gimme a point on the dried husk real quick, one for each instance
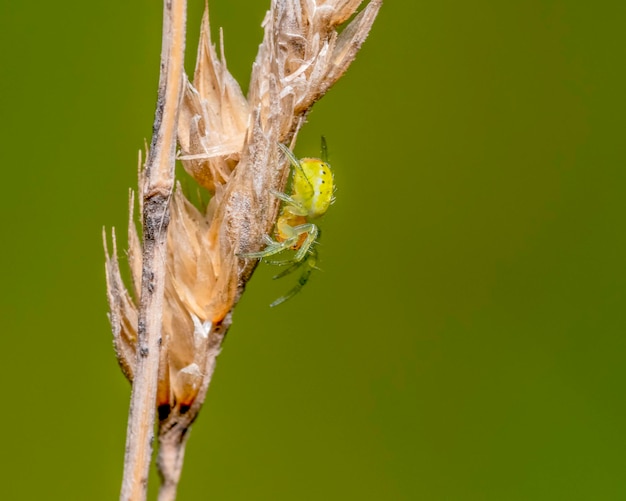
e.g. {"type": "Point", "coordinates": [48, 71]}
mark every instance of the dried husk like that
{"type": "Point", "coordinates": [228, 144]}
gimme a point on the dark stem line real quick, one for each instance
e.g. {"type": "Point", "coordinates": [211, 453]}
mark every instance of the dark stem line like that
{"type": "Point", "coordinates": [156, 190]}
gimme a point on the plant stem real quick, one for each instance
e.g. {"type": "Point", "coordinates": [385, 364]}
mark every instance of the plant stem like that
{"type": "Point", "coordinates": [175, 428]}
{"type": "Point", "coordinates": [156, 191]}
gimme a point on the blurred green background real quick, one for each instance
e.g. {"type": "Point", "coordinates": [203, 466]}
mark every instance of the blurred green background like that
{"type": "Point", "coordinates": [465, 340]}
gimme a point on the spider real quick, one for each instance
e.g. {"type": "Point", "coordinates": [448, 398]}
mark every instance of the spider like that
{"type": "Point", "coordinates": [311, 194]}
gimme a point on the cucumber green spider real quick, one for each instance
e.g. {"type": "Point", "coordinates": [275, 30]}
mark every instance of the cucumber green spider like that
{"type": "Point", "coordinates": [312, 190]}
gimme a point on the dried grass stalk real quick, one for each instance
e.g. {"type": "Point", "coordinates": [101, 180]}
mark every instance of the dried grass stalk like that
{"type": "Point", "coordinates": [228, 144]}
{"type": "Point", "coordinates": [138, 331]}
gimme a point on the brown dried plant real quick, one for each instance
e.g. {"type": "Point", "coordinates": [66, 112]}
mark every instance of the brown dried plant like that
{"type": "Point", "coordinates": [186, 269]}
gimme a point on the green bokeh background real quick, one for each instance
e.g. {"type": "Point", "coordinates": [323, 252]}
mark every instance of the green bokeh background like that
{"type": "Point", "coordinates": [465, 340]}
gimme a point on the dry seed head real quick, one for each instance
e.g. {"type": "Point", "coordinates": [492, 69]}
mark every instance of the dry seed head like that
{"type": "Point", "coordinates": [123, 312]}
{"type": "Point", "coordinates": [190, 304]}
{"type": "Point", "coordinates": [229, 145]}
{"type": "Point", "coordinates": [213, 116]}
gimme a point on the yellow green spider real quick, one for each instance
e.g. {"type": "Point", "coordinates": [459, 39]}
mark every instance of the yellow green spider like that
{"type": "Point", "coordinates": [312, 190]}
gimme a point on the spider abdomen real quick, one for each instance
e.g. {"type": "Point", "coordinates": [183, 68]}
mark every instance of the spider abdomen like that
{"type": "Point", "coordinates": [313, 186]}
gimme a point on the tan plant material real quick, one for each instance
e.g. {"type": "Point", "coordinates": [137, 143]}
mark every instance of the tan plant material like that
{"type": "Point", "coordinates": [229, 145]}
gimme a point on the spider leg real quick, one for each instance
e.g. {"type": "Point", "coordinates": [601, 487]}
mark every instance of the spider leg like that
{"type": "Point", "coordinates": [272, 248]}
{"type": "Point", "coordinates": [294, 161]}
{"type": "Point", "coordinates": [292, 205]}
{"type": "Point", "coordinates": [294, 234]}
{"type": "Point", "coordinates": [312, 232]}
{"type": "Point", "coordinates": [280, 262]}
{"type": "Point", "coordinates": [292, 261]}
{"type": "Point", "coordinates": [324, 150]}
{"type": "Point", "coordinates": [293, 267]}
{"type": "Point", "coordinates": [309, 266]}
{"type": "Point", "coordinates": [289, 154]}
{"type": "Point", "coordinates": [284, 197]}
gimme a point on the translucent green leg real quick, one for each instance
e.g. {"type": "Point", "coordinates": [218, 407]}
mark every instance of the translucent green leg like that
{"type": "Point", "coordinates": [276, 247]}
{"type": "Point", "coordinates": [292, 158]}
{"type": "Point", "coordinates": [312, 232]}
{"type": "Point", "coordinates": [324, 149]}
{"type": "Point", "coordinates": [293, 206]}
{"type": "Point", "coordinates": [271, 249]}
{"type": "Point", "coordinates": [308, 266]}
